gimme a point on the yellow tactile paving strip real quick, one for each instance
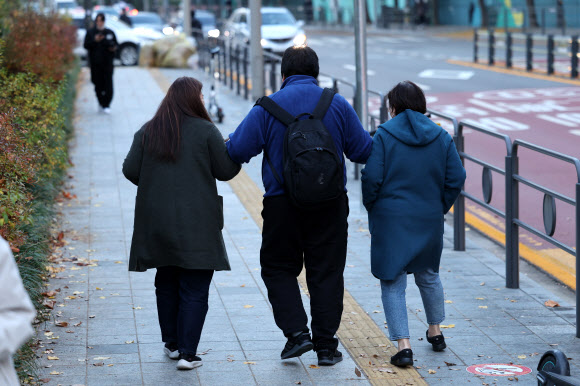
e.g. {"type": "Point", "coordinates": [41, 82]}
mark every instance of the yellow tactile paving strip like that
{"type": "Point", "coordinates": [365, 341]}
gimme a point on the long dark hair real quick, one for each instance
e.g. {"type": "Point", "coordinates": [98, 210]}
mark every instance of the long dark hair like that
{"type": "Point", "coordinates": [163, 131]}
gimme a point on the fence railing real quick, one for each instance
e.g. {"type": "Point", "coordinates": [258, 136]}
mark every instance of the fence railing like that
{"type": "Point", "coordinates": [530, 50]}
{"type": "Point", "coordinates": [232, 68]}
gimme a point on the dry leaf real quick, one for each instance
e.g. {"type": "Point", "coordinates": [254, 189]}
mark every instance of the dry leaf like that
{"type": "Point", "coordinates": [551, 303]}
{"type": "Point", "coordinates": [91, 316]}
{"type": "Point", "coordinates": [385, 370]}
{"type": "Point", "coordinates": [248, 306]}
{"type": "Point", "coordinates": [479, 298]}
{"type": "Point", "coordinates": [376, 312]}
{"type": "Point", "coordinates": [249, 363]}
{"type": "Point", "coordinates": [49, 333]}
{"type": "Point", "coordinates": [450, 364]}
{"type": "Point", "coordinates": [102, 297]}
{"type": "Point", "coordinates": [61, 324]}
{"type": "Point", "coordinates": [98, 364]}
{"type": "Point", "coordinates": [522, 356]}
{"type": "Point", "coordinates": [137, 308]}
{"type": "Point", "coordinates": [98, 288]}
{"type": "Point", "coordinates": [118, 262]}
{"type": "Point", "coordinates": [357, 372]}
{"type": "Point", "coordinates": [298, 383]}
{"type": "Point", "coordinates": [77, 324]}
{"type": "Point", "coordinates": [448, 301]}
{"type": "Point", "coordinates": [55, 358]}
{"type": "Point", "coordinates": [129, 341]}
{"type": "Point", "coordinates": [431, 371]}
{"type": "Point", "coordinates": [54, 373]}
{"type": "Point", "coordinates": [110, 365]}
{"type": "Point", "coordinates": [314, 367]}
{"type": "Point", "coordinates": [447, 326]}
{"type": "Point", "coordinates": [483, 307]}
{"type": "Point", "coordinates": [482, 283]}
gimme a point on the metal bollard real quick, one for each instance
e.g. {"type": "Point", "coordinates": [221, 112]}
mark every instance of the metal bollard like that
{"type": "Point", "coordinates": [512, 242]}
{"type": "Point", "coordinates": [574, 53]}
{"type": "Point", "coordinates": [459, 206]}
{"type": "Point", "coordinates": [529, 52]}
{"type": "Point", "coordinates": [383, 111]}
{"type": "Point", "coordinates": [245, 65]}
{"type": "Point", "coordinates": [475, 45]}
{"type": "Point", "coordinates": [550, 54]}
{"type": "Point", "coordinates": [231, 62]}
{"type": "Point", "coordinates": [508, 50]}
{"type": "Point", "coordinates": [238, 70]}
{"type": "Point", "coordinates": [577, 259]}
{"type": "Point", "coordinates": [491, 56]}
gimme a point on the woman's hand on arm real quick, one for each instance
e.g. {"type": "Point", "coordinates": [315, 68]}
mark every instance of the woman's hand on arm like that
{"type": "Point", "coordinates": [222, 166]}
{"type": "Point", "coordinates": [372, 175]}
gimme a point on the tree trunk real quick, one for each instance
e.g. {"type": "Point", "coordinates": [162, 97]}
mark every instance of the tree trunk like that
{"type": "Point", "coordinates": [532, 17]}
{"type": "Point", "coordinates": [484, 18]}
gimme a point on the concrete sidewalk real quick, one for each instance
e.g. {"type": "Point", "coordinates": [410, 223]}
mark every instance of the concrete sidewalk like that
{"type": "Point", "coordinates": [112, 336]}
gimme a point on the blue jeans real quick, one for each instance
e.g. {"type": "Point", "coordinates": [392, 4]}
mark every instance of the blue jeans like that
{"type": "Point", "coordinates": [182, 303]}
{"type": "Point", "coordinates": [395, 305]}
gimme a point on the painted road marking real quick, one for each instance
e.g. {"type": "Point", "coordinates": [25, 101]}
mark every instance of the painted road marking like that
{"type": "Point", "coordinates": [499, 370]}
{"type": "Point", "coordinates": [447, 74]}
{"type": "Point", "coordinates": [424, 87]}
{"type": "Point", "coordinates": [352, 67]}
{"type": "Point", "coordinates": [575, 132]}
{"type": "Point", "coordinates": [558, 120]}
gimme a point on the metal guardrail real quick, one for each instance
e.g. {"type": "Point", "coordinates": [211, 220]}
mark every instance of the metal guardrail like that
{"type": "Point", "coordinates": [234, 59]}
{"type": "Point", "coordinates": [552, 48]}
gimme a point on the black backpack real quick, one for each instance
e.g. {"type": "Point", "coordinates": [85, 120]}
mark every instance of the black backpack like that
{"type": "Point", "coordinates": [313, 172]}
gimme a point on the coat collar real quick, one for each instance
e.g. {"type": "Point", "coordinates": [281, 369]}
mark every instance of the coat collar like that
{"type": "Point", "coordinates": [299, 79]}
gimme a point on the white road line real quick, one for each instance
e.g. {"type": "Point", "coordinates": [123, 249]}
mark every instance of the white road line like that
{"type": "Point", "coordinates": [351, 67]}
{"type": "Point", "coordinates": [575, 132]}
{"type": "Point", "coordinates": [487, 106]}
{"type": "Point", "coordinates": [559, 121]}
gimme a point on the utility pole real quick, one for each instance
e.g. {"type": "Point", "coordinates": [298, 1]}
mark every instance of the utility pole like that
{"type": "Point", "coordinates": [360, 44]}
{"type": "Point", "coordinates": [187, 18]}
{"type": "Point", "coordinates": [256, 52]}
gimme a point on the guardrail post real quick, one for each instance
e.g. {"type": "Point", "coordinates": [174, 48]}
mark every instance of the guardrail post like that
{"type": "Point", "coordinates": [550, 54]}
{"type": "Point", "coordinates": [238, 70]}
{"type": "Point", "coordinates": [459, 205]}
{"type": "Point", "coordinates": [245, 65]}
{"type": "Point", "coordinates": [491, 44]}
{"type": "Point", "coordinates": [475, 45]}
{"type": "Point", "coordinates": [508, 50]}
{"type": "Point", "coordinates": [529, 52]}
{"type": "Point", "coordinates": [383, 111]}
{"type": "Point", "coordinates": [231, 62]}
{"type": "Point", "coordinates": [512, 242]}
{"type": "Point", "coordinates": [577, 260]}
{"type": "Point", "coordinates": [335, 85]}
{"type": "Point", "coordinates": [574, 64]}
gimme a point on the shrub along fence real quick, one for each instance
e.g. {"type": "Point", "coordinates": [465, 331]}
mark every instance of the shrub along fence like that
{"type": "Point", "coordinates": [37, 80]}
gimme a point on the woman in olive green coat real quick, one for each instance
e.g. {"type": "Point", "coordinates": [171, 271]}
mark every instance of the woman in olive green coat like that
{"type": "Point", "coordinates": [175, 160]}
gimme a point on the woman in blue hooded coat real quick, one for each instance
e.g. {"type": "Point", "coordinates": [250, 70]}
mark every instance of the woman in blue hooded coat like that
{"type": "Point", "coordinates": [411, 179]}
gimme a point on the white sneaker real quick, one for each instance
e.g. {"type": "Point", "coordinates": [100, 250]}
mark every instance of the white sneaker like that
{"type": "Point", "coordinates": [107, 110]}
{"type": "Point", "coordinates": [189, 363]}
{"type": "Point", "coordinates": [171, 354]}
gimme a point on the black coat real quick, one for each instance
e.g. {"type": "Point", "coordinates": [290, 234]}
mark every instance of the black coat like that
{"type": "Point", "coordinates": [101, 53]}
{"type": "Point", "coordinates": [178, 213]}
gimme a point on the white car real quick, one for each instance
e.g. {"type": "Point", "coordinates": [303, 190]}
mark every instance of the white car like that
{"type": "Point", "coordinates": [280, 29]}
{"type": "Point", "coordinates": [129, 39]}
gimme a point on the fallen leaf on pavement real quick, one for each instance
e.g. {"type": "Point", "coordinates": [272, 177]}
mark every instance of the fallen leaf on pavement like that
{"type": "Point", "coordinates": [102, 297]}
{"type": "Point", "coordinates": [357, 372]}
{"type": "Point", "coordinates": [314, 367]}
{"type": "Point", "coordinates": [430, 371]}
{"type": "Point", "coordinates": [448, 301]}
{"type": "Point", "coordinates": [205, 352]}
{"type": "Point", "coordinates": [77, 324]}
{"type": "Point", "coordinates": [118, 262]}
{"type": "Point", "coordinates": [98, 288]}
{"type": "Point", "coordinates": [385, 370]}
{"type": "Point", "coordinates": [551, 303]}
{"type": "Point", "coordinates": [479, 298]}
{"type": "Point", "coordinates": [447, 326]}
{"type": "Point", "coordinates": [137, 308]}
{"type": "Point", "coordinates": [129, 341]}
{"type": "Point", "coordinates": [49, 304]}
{"type": "Point", "coordinates": [376, 312]}
{"type": "Point", "coordinates": [61, 324]}
{"type": "Point", "coordinates": [98, 364]}
{"type": "Point", "coordinates": [482, 283]}
{"type": "Point", "coordinates": [101, 358]}
{"type": "Point", "coordinates": [91, 316]}
{"type": "Point", "coordinates": [52, 358]}
{"type": "Point", "coordinates": [54, 373]}
{"type": "Point", "coordinates": [49, 333]}
{"type": "Point", "coordinates": [522, 356]}
{"type": "Point", "coordinates": [249, 363]}
{"type": "Point", "coordinates": [248, 306]}
{"type": "Point", "coordinates": [483, 307]}
{"type": "Point", "coordinates": [449, 363]}
{"type": "Point", "coordinates": [298, 383]}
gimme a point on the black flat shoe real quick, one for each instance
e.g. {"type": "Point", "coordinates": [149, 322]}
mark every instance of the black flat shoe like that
{"type": "Point", "coordinates": [437, 341]}
{"type": "Point", "coordinates": [297, 345]}
{"type": "Point", "coordinates": [403, 358]}
{"type": "Point", "coordinates": [328, 357]}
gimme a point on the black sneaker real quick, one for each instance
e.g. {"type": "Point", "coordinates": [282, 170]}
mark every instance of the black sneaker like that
{"type": "Point", "coordinates": [403, 358]}
{"type": "Point", "coordinates": [438, 341]}
{"type": "Point", "coordinates": [188, 362]}
{"type": "Point", "coordinates": [327, 357]}
{"type": "Point", "coordinates": [297, 345]}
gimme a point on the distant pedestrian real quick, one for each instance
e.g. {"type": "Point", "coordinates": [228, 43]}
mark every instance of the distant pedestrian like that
{"type": "Point", "coordinates": [16, 315]}
{"type": "Point", "coordinates": [175, 160]}
{"type": "Point", "coordinates": [196, 28]}
{"type": "Point", "coordinates": [295, 235]}
{"type": "Point", "coordinates": [101, 44]}
{"type": "Point", "coordinates": [412, 178]}
{"type": "Point", "coordinates": [470, 12]}
{"type": "Point", "coordinates": [125, 18]}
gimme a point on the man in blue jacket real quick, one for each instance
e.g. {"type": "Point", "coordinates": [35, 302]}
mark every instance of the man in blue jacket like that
{"type": "Point", "coordinates": [293, 237]}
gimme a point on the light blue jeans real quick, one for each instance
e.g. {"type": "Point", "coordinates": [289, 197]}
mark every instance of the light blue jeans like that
{"type": "Point", "coordinates": [395, 305]}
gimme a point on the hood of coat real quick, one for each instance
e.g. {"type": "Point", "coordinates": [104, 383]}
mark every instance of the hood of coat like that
{"type": "Point", "coordinates": [412, 128]}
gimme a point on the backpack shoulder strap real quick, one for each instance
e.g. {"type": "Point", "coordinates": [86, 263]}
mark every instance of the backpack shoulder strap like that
{"type": "Point", "coordinates": [277, 112]}
{"type": "Point", "coordinates": [323, 103]}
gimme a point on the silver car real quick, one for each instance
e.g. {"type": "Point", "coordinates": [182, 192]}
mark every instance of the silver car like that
{"type": "Point", "coordinates": [280, 29]}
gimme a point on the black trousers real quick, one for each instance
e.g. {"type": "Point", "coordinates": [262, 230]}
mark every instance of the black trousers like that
{"type": "Point", "coordinates": [102, 78]}
{"type": "Point", "coordinates": [182, 304]}
{"type": "Point", "coordinates": [316, 239]}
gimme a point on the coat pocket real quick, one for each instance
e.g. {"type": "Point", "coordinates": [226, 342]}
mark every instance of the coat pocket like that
{"type": "Point", "coordinates": [220, 210]}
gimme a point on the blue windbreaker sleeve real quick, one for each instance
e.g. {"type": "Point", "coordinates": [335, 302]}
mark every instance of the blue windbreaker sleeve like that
{"type": "Point", "coordinates": [357, 141]}
{"type": "Point", "coordinates": [454, 177]}
{"type": "Point", "coordinates": [372, 175]}
{"type": "Point", "coordinates": [248, 139]}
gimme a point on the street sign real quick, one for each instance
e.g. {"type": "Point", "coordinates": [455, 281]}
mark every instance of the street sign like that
{"type": "Point", "coordinates": [499, 370]}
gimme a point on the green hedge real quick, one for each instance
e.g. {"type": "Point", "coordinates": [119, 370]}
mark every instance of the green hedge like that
{"type": "Point", "coordinates": [36, 106]}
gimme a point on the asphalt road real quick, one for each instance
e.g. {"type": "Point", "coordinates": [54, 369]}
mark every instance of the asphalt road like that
{"type": "Point", "coordinates": [542, 112]}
